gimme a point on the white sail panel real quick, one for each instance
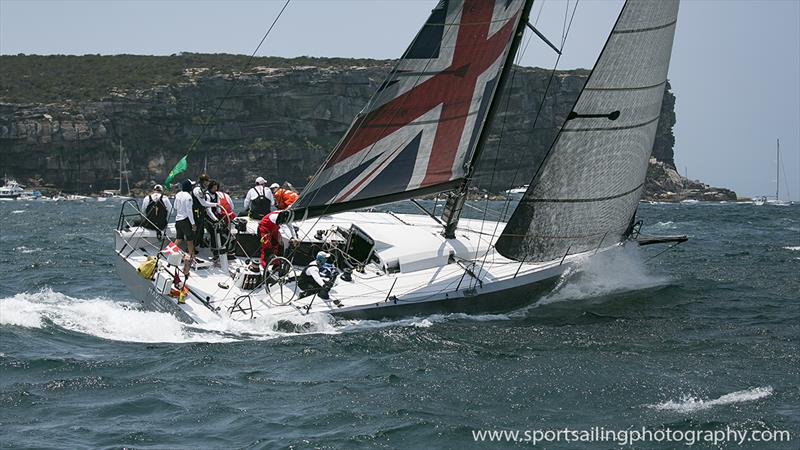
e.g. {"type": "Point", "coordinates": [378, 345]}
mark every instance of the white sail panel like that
{"type": "Point", "coordinates": [586, 192]}
{"type": "Point", "coordinates": [419, 131]}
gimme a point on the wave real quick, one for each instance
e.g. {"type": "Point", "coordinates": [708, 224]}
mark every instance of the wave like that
{"type": "Point", "coordinates": [797, 248]}
{"type": "Point", "coordinates": [689, 404]}
{"type": "Point", "coordinates": [121, 321]}
{"type": "Point", "coordinates": [610, 272]}
{"type": "Point", "coordinates": [18, 211]}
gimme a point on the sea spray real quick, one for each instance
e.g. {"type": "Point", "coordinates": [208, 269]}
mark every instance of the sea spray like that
{"type": "Point", "coordinates": [689, 404]}
{"type": "Point", "coordinates": [610, 272]}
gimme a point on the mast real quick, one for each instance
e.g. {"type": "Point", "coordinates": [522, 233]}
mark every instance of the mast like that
{"type": "Point", "coordinates": [120, 167]}
{"type": "Point", "coordinates": [456, 199]}
{"type": "Point", "coordinates": [778, 171]}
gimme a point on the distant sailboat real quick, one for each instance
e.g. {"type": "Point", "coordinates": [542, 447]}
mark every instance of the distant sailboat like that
{"type": "Point", "coordinates": [759, 201]}
{"type": "Point", "coordinates": [421, 134]}
{"type": "Point", "coordinates": [123, 175]}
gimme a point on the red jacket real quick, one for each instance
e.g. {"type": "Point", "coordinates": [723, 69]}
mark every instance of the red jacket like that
{"type": "Point", "coordinates": [284, 198]}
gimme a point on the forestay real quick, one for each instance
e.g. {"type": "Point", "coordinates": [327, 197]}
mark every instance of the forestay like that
{"type": "Point", "coordinates": [586, 192]}
{"type": "Point", "coordinates": [418, 132]}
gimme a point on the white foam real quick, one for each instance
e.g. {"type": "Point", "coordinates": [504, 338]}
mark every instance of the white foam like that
{"type": "Point", "coordinates": [121, 321]}
{"type": "Point", "coordinates": [18, 211]}
{"type": "Point", "coordinates": [23, 249]}
{"type": "Point", "coordinates": [689, 404]}
{"type": "Point", "coordinates": [794, 249]}
{"type": "Point", "coordinates": [417, 322]}
{"type": "Point", "coordinates": [610, 272]}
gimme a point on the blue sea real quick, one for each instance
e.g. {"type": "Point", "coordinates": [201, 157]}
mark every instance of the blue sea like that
{"type": "Point", "coordinates": [702, 338]}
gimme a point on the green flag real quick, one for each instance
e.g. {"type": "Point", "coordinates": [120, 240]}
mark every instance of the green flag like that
{"type": "Point", "coordinates": [179, 167]}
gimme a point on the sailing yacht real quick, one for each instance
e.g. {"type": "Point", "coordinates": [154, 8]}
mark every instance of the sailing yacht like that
{"type": "Point", "coordinates": [421, 134]}
{"type": "Point", "coordinates": [777, 200]}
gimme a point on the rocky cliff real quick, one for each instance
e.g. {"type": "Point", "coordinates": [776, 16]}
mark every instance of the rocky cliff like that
{"type": "Point", "coordinates": [278, 121]}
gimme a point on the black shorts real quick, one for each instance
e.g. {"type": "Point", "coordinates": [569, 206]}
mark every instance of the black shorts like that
{"type": "Point", "coordinates": [183, 230]}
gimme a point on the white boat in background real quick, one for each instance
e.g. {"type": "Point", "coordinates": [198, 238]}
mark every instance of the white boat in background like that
{"type": "Point", "coordinates": [419, 136]}
{"type": "Point", "coordinates": [517, 192]}
{"type": "Point", "coordinates": [112, 195]}
{"type": "Point", "coordinates": [10, 189]}
{"type": "Point", "coordinates": [759, 201]}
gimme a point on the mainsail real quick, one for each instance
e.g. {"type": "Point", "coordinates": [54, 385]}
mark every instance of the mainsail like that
{"type": "Point", "coordinates": [586, 192]}
{"type": "Point", "coordinates": [418, 133]}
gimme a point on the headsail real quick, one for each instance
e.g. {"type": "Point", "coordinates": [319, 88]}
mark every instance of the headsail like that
{"type": "Point", "coordinates": [419, 131]}
{"type": "Point", "coordinates": [586, 192]}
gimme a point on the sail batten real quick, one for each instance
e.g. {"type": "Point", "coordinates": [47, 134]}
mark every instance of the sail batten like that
{"type": "Point", "coordinates": [419, 132]}
{"type": "Point", "coordinates": [586, 191]}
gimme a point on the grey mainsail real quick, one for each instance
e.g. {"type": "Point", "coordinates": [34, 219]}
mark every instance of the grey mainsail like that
{"type": "Point", "coordinates": [586, 191]}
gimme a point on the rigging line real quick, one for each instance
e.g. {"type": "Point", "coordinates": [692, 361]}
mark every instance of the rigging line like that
{"type": "Point", "coordinates": [539, 111]}
{"type": "Point", "coordinates": [785, 180]}
{"type": "Point", "coordinates": [536, 22]}
{"type": "Point", "coordinates": [508, 93]}
{"type": "Point", "coordinates": [236, 79]}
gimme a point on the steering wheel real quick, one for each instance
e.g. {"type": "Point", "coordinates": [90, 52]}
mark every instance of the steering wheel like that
{"type": "Point", "coordinates": [277, 277]}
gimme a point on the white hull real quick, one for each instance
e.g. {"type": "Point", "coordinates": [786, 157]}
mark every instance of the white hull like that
{"type": "Point", "coordinates": [426, 277]}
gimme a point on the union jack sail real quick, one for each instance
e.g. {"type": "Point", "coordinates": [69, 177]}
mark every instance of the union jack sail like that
{"type": "Point", "coordinates": [418, 133]}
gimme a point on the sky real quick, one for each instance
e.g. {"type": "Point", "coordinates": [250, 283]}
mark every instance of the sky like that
{"type": "Point", "coordinates": [735, 66]}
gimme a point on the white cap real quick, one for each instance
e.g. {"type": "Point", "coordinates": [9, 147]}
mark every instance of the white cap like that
{"type": "Point", "coordinates": [261, 181]}
{"type": "Point", "coordinates": [325, 255]}
{"type": "Point", "coordinates": [274, 186]}
{"type": "Point", "coordinates": [158, 188]}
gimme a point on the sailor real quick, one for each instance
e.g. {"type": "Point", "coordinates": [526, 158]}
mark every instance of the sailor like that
{"type": "Point", "coordinates": [259, 200]}
{"type": "Point", "coordinates": [212, 218]}
{"type": "Point", "coordinates": [315, 281]}
{"type": "Point", "coordinates": [226, 214]}
{"type": "Point", "coordinates": [156, 208]}
{"type": "Point", "coordinates": [185, 226]}
{"type": "Point", "coordinates": [270, 235]}
{"type": "Point", "coordinates": [283, 197]}
{"type": "Point", "coordinates": [199, 205]}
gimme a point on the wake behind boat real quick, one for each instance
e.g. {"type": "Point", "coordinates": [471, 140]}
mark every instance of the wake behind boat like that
{"type": "Point", "coordinates": [422, 133]}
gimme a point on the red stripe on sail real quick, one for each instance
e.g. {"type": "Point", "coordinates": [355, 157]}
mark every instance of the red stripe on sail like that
{"type": "Point", "coordinates": [453, 88]}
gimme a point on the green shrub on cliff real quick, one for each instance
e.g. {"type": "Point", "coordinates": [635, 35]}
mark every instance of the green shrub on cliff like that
{"type": "Point", "coordinates": [59, 78]}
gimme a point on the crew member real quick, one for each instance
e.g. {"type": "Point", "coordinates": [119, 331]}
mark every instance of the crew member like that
{"type": "Point", "coordinates": [259, 200]}
{"type": "Point", "coordinates": [311, 281]}
{"type": "Point", "coordinates": [270, 235]}
{"type": "Point", "coordinates": [283, 197]}
{"type": "Point", "coordinates": [185, 225]}
{"type": "Point", "coordinates": [212, 218]}
{"type": "Point", "coordinates": [199, 205]}
{"type": "Point", "coordinates": [226, 214]}
{"type": "Point", "coordinates": [156, 208]}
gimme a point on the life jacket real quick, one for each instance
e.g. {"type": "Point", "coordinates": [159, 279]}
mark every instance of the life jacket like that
{"type": "Point", "coordinates": [261, 205]}
{"type": "Point", "coordinates": [213, 198]}
{"type": "Point", "coordinates": [156, 213]}
{"type": "Point", "coordinates": [227, 210]}
{"type": "Point", "coordinates": [306, 281]}
{"type": "Point", "coordinates": [284, 198]}
{"type": "Point", "coordinates": [196, 205]}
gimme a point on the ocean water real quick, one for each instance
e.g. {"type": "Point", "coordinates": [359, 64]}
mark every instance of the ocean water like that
{"type": "Point", "coordinates": [704, 337]}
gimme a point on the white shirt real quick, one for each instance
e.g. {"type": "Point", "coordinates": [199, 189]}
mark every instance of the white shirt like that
{"type": "Point", "coordinates": [183, 207]}
{"type": "Point", "coordinates": [157, 196]}
{"type": "Point", "coordinates": [252, 194]}
{"type": "Point", "coordinates": [212, 211]}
